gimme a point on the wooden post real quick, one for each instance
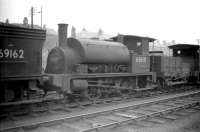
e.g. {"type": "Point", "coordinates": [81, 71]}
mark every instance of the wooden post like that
{"type": "Point", "coordinates": [32, 17]}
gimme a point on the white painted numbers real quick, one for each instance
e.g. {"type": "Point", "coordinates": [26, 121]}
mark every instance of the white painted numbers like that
{"type": "Point", "coordinates": [12, 53]}
{"type": "Point", "coordinates": [140, 59]}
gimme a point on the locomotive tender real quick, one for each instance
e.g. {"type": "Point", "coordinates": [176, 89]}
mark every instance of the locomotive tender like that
{"type": "Point", "coordinates": [20, 60]}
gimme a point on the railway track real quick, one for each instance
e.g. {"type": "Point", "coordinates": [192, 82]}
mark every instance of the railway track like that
{"type": "Point", "coordinates": [37, 108]}
{"type": "Point", "coordinates": [155, 110]}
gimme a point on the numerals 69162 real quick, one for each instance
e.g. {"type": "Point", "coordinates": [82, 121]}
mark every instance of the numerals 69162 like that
{"type": "Point", "coordinates": [12, 53]}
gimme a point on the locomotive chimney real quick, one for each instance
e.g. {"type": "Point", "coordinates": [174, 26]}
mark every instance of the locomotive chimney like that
{"type": "Point", "coordinates": [62, 34]}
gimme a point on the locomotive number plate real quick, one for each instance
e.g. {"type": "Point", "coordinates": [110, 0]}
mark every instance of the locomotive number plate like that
{"type": "Point", "coordinates": [141, 59]}
{"type": "Point", "coordinates": [11, 53]}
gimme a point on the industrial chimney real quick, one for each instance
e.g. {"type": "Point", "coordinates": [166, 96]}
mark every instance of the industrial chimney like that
{"type": "Point", "coordinates": [62, 34]}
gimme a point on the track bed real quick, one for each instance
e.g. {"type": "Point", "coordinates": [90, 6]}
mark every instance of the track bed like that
{"type": "Point", "coordinates": [111, 116]}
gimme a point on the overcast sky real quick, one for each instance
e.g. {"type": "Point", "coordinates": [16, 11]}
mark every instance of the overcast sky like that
{"type": "Point", "coordinates": [168, 20]}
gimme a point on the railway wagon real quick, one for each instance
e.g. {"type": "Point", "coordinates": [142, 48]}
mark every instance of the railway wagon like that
{"type": "Point", "coordinates": [20, 60]}
{"type": "Point", "coordinates": [181, 68]}
{"type": "Point", "coordinates": [96, 68]}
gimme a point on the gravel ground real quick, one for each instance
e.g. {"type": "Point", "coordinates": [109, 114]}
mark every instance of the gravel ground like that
{"type": "Point", "coordinates": [187, 124]}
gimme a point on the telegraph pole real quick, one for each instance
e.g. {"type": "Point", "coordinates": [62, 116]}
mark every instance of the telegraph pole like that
{"type": "Point", "coordinates": [198, 42]}
{"type": "Point", "coordinates": [32, 15]}
{"type": "Point", "coordinates": [41, 16]}
{"type": "Point", "coordinates": [32, 9]}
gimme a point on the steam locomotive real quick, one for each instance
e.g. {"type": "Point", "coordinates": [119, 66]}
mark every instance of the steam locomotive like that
{"type": "Point", "coordinates": [96, 68]}
{"type": "Point", "coordinates": [84, 67]}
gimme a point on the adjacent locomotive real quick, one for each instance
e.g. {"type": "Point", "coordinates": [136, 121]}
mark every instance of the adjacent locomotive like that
{"type": "Point", "coordinates": [20, 60]}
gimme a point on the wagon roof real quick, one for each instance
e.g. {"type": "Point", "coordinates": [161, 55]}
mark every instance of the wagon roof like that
{"type": "Point", "coordinates": [184, 46]}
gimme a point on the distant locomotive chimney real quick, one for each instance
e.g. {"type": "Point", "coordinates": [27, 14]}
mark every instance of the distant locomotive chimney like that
{"type": "Point", "coordinates": [62, 34]}
{"type": "Point", "coordinates": [120, 38]}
